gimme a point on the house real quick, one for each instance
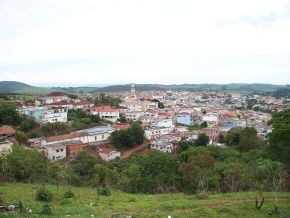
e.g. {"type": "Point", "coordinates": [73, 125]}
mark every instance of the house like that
{"type": "Point", "coordinates": [185, 119]}
{"type": "Point", "coordinates": [55, 151]}
{"type": "Point", "coordinates": [106, 112]}
{"type": "Point", "coordinates": [167, 123]}
{"type": "Point", "coordinates": [6, 132]}
{"type": "Point", "coordinates": [5, 147]}
{"type": "Point", "coordinates": [56, 97]}
{"type": "Point", "coordinates": [153, 133]}
{"type": "Point", "coordinates": [166, 147]}
{"type": "Point", "coordinates": [134, 115]}
{"type": "Point", "coordinates": [98, 135]}
{"type": "Point", "coordinates": [74, 136]}
{"type": "Point", "coordinates": [108, 153]}
{"type": "Point", "coordinates": [133, 105]}
{"type": "Point", "coordinates": [35, 142]}
{"type": "Point", "coordinates": [47, 115]}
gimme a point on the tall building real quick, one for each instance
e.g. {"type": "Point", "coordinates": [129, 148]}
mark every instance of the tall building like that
{"type": "Point", "coordinates": [133, 91]}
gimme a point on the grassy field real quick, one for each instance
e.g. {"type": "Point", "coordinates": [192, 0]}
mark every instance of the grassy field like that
{"type": "Point", "coordinates": [119, 204]}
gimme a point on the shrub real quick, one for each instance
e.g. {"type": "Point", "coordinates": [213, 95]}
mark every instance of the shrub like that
{"type": "Point", "coordinates": [68, 194]}
{"type": "Point", "coordinates": [104, 191]}
{"type": "Point", "coordinates": [44, 194]}
{"type": "Point", "coordinates": [46, 209]}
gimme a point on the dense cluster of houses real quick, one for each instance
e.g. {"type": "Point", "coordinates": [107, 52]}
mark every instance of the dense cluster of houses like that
{"type": "Point", "coordinates": [164, 125]}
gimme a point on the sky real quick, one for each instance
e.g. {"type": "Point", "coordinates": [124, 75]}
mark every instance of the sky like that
{"type": "Point", "coordinates": [83, 42]}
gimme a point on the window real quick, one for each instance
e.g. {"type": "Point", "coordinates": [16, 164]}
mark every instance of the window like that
{"type": "Point", "coordinates": [103, 136]}
{"type": "Point", "coordinates": [61, 149]}
{"type": "Point", "coordinates": [57, 150]}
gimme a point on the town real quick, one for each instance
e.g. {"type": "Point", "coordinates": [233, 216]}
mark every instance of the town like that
{"type": "Point", "coordinates": [166, 117]}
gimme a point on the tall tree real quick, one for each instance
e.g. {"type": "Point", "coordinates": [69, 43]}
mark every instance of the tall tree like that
{"type": "Point", "coordinates": [279, 138]}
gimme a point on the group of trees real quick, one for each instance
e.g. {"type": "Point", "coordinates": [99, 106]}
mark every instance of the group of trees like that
{"type": "Point", "coordinates": [243, 139]}
{"type": "Point", "coordinates": [80, 118]}
{"type": "Point", "coordinates": [106, 99]}
{"type": "Point", "coordinates": [128, 137]}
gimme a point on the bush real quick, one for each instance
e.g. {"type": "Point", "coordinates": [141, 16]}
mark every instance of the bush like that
{"type": "Point", "coordinates": [46, 209]}
{"type": "Point", "coordinates": [44, 194]}
{"type": "Point", "coordinates": [68, 194]}
{"type": "Point", "coordinates": [104, 191]}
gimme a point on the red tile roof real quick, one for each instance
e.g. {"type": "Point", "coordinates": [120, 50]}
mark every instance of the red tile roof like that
{"type": "Point", "coordinates": [4, 130]}
{"type": "Point", "coordinates": [66, 136]}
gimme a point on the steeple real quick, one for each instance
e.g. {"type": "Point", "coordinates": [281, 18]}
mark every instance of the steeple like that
{"type": "Point", "coordinates": [133, 92]}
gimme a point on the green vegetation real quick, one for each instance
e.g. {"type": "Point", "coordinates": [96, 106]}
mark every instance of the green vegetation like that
{"type": "Point", "coordinates": [244, 139]}
{"type": "Point", "coordinates": [44, 194]}
{"type": "Point", "coordinates": [9, 114]}
{"type": "Point", "coordinates": [81, 118]}
{"type": "Point", "coordinates": [129, 137]}
{"type": "Point", "coordinates": [202, 140]}
{"type": "Point", "coordinates": [87, 203]}
{"type": "Point", "coordinates": [279, 138]}
{"type": "Point", "coordinates": [282, 93]}
{"type": "Point", "coordinates": [105, 99]}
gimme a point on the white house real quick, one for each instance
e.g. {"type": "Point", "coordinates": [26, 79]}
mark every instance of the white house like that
{"type": "Point", "coordinates": [98, 134]}
{"type": "Point", "coordinates": [212, 119]}
{"type": "Point", "coordinates": [133, 105]}
{"type": "Point", "coordinates": [156, 132]}
{"type": "Point", "coordinates": [106, 112]}
{"type": "Point", "coordinates": [55, 151]}
{"type": "Point", "coordinates": [47, 115]}
{"type": "Point", "coordinates": [134, 115]}
{"type": "Point", "coordinates": [167, 123]}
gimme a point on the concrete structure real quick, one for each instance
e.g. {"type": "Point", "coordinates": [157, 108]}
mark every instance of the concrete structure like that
{"type": "Point", "coordinates": [55, 151]}
{"type": "Point", "coordinates": [108, 153]}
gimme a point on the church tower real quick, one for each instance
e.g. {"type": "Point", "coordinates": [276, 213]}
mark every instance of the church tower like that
{"type": "Point", "coordinates": [133, 91]}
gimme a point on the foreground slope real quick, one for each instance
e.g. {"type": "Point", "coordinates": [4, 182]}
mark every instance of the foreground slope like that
{"type": "Point", "coordinates": [119, 204]}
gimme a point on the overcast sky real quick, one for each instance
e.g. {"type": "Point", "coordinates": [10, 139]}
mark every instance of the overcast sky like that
{"type": "Point", "coordinates": [44, 42]}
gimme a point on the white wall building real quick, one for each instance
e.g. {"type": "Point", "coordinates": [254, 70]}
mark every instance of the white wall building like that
{"type": "Point", "coordinates": [153, 133]}
{"type": "Point", "coordinates": [55, 151]}
{"type": "Point", "coordinates": [167, 123]}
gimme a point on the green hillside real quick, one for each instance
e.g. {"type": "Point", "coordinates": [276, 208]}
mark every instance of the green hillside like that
{"type": "Point", "coordinates": [119, 204]}
{"type": "Point", "coordinates": [14, 87]}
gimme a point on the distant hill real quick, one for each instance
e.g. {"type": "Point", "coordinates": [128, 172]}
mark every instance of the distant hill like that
{"type": "Point", "coordinates": [194, 87]}
{"type": "Point", "coordinates": [14, 87]}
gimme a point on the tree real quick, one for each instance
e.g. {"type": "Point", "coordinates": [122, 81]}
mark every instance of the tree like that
{"type": "Point", "coordinates": [122, 119]}
{"type": "Point", "coordinates": [127, 138]}
{"type": "Point", "coordinates": [274, 176]}
{"type": "Point", "coordinates": [203, 124]}
{"type": "Point", "coordinates": [28, 125]}
{"type": "Point", "coordinates": [9, 114]}
{"type": "Point", "coordinates": [198, 171]}
{"type": "Point", "coordinates": [243, 139]}
{"type": "Point", "coordinates": [184, 145]}
{"type": "Point", "coordinates": [202, 140]}
{"type": "Point", "coordinates": [21, 138]}
{"type": "Point", "coordinates": [279, 138]}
